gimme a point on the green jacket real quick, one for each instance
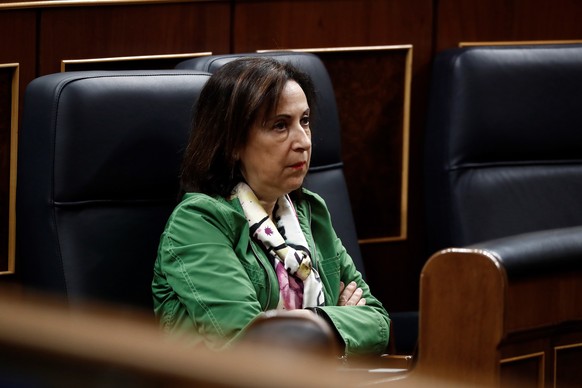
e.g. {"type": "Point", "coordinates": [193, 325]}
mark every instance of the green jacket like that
{"type": "Point", "coordinates": [212, 279]}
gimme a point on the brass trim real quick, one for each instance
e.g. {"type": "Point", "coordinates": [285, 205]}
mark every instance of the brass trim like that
{"type": "Point", "coordinates": [518, 43]}
{"type": "Point", "coordinates": [405, 129]}
{"type": "Point", "coordinates": [569, 346]}
{"type": "Point", "coordinates": [12, 167]}
{"type": "Point", "coordinates": [339, 49]}
{"type": "Point", "coordinates": [66, 62]}
{"type": "Point", "coordinates": [523, 357]}
{"type": "Point", "coordinates": [88, 3]}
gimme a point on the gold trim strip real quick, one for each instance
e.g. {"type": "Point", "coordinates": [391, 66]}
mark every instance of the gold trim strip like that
{"type": "Point", "coordinates": [523, 357]}
{"type": "Point", "coordinates": [85, 3]}
{"type": "Point", "coordinates": [65, 62]}
{"type": "Point", "coordinates": [405, 129]}
{"type": "Point", "coordinates": [340, 49]}
{"type": "Point", "coordinates": [406, 144]}
{"type": "Point", "coordinates": [12, 167]}
{"type": "Point", "coordinates": [518, 43]}
{"type": "Point", "coordinates": [577, 345]}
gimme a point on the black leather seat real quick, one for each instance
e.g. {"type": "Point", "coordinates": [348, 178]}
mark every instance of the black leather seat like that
{"type": "Point", "coordinates": [326, 176]}
{"type": "Point", "coordinates": [503, 143]}
{"type": "Point", "coordinates": [99, 156]}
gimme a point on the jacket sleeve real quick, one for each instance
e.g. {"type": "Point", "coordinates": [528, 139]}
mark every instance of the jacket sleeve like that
{"type": "Point", "coordinates": [206, 282]}
{"type": "Point", "coordinates": [363, 329]}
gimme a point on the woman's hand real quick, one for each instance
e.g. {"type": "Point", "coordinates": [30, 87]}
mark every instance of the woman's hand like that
{"type": "Point", "coordinates": [350, 295]}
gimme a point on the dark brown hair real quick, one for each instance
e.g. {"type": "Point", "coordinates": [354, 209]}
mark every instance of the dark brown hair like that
{"type": "Point", "coordinates": [228, 105]}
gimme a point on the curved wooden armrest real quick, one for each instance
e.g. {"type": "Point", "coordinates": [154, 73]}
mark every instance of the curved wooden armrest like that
{"type": "Point", "coordinates": [293, 330]}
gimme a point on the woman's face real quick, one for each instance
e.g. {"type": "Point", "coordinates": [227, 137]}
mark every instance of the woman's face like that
{"type": "Point", "coordinates": [276, 157]}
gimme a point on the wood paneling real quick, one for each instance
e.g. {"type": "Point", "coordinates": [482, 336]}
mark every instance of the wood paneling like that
{"type": "Point", "coordinates": [18, 42]}
{"type": "Point", "coordinates": [524, 371]}
{"type": "Point", "coordinates": [114, 31]}
{"type": "Point", "coordinates": [503, 20]}
{"type": "Point", "coordinates": [371, 88]}
{"type": "Point", "coordinates": [567, 371]}
{"type": "Point", "coordinates": [17, 46]}
{"type": "Point", "coordinates": [284, 24]}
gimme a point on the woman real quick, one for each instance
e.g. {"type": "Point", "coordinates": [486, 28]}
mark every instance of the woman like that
{"type": "Point", "coordinates": [246, 237]}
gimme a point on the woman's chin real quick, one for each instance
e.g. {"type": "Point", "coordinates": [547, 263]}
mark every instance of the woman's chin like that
{"type": "Point", "coordinates": [295, 185]}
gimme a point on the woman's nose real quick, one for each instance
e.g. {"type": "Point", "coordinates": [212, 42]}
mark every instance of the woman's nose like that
{"type": "Point", "coordinates": [302, 138]}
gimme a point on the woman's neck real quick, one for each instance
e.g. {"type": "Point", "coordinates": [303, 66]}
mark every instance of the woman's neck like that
{"type": "Point", "coordinates": [268, 206]}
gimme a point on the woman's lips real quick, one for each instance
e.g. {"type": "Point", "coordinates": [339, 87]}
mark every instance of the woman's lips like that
{"type": "Point", "coordinates": [298, 166]}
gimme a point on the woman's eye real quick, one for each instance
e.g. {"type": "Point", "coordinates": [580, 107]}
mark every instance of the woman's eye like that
{"type": "Point", "coordinates": [280, 126]}
{"type": "Point", "coordinates": [305, 121]}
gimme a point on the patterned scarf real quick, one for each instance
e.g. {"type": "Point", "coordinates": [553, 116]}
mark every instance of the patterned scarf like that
{"type": "Point", "coordinates": [299, 283]}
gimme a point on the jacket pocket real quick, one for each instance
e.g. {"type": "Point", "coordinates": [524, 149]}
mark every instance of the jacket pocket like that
{"type": "Point", "coordinates": [329, 271]}
{"type": "Point", "coordinates": [256, 274]}
{"type": "Point", "coordinates": [330, 267]}
{"type": "Point", "coordinates": [258, 278]}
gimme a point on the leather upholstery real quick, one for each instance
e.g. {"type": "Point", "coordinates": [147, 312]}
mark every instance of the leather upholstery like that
{"type": "Point", "coordinates": [99, 154]}
{"type": "Point", "coordinates": [326, 176]}
{"type": "Point", "coordinates": [503, 143]}
{"type": "Point", "coordinates": [537, 253]}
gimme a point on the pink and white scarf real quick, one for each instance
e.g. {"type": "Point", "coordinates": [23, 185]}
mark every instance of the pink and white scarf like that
{"type": "Point", "coordinates": [299, 283]}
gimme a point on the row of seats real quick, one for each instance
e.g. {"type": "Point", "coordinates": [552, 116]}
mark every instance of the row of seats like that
{"type": "Point", "coordinates": [99, 154]}
{"type": "Point", "coordinates": [98, 174]}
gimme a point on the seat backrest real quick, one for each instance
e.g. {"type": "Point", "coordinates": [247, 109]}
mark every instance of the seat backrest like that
{"type": "Point", "coordinates": [326, 176]}
{"type": "Point", "coordinates": [99, 156]}
{"type": "Point", "coordinates": [503, 143]}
